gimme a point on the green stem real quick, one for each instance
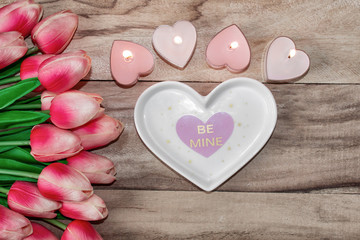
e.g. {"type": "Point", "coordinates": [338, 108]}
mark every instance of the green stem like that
{"type": "Point", "coordinates": [24, 106]}
{"type": "Point", "coordinates": [56, 223]}
{"type": "Point", "coordinates": [10, 80]}
{"type": "Point", "coordinates": [14, 143]}
{"type": "Point", "coordinates": [4, 190]}
{"type": "Point", "coordinates": [31, 51]}
{"type": "Point", "coordinates": [19, 173]}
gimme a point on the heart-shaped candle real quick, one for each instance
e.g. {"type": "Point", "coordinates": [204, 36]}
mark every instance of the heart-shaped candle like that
{"type": "Point", "coordinates": [175, 44]}
{"type": "Point", "coordinates": [230, 49]}
{"type": "Point", "coordinates": [284, 63]}
{"type": "Point", "coordinates": [129, 61]}
{"type": "Point", "coordinates": [206, 138]}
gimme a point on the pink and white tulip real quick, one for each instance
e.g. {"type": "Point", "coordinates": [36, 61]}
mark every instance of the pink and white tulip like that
{"type": "Point", "coordinates": [46, 99]}
{"type": "Point", "coordinates": [62, 72]}
{"type": "Point", "coordinates": [98, 169]}
{"type": "Point", "coordinates": [13, 225]}
{"type": "Point", "coordinates": [80, 230]}
{"type": "Point", "coordinates": [63, 183]}
{"type": "Point", "coordinates": [49, 143]}
{"type": "Point", "coordinates": [30, 66]}
{"type": "Point", "coordinates": [72, 109]}
{"type": "Point", "coordinates": [20, 16]}
{"type": "Point", "coordinates": [99, 132]}
{"type": "Point", "coordinates": [25, 198]}
{"type": "Point", "coordinates": [40, 233]}
{"type": "Point", "coordinates": [54, 33]}
{"type": "Point", "coordinates": [12, 48]}
{"type": "Point", "coordinates": [92, 209]}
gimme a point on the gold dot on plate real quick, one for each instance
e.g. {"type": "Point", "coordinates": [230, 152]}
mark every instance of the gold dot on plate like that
{"type": "Point", "coordinates": [169, 108]}
{"type": "Point", "coordinates": [238, 145]}
{"type": "Point", "coordinates": [230, 105]}
{"type": "Point", "coordinates": [244, 136]}
{"type": "Point", "coordinates": [190, 161]}
{"type": "Point", "coordinates": [229, 148]}
{"type": "Point", "coordinates": [223, 161]}
{"type": "Point", "coordinates": [239, 124]}
{"type": "Point", "coordinates": [168, 141]}
{"type": "Point", "coordinates": [246, 103]}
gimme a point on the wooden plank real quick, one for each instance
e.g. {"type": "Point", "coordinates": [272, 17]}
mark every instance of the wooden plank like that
{"type": "Point", "coordinates": [327, 30]}
{"type": "Point", "coordinates": [197, 215]}
{"type": "Point", "coordinates": [314, 145]}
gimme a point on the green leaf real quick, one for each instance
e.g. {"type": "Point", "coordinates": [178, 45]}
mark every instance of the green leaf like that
{"type": "Point", "coordinates": [16, 165]}
{"type": "Point", "coordinates": [13, 130]}
{"type": "Point", "coordinates": [36, 99]}
{"type": "Point", "coordinates": [16, 118]}
{"type": "Point", "coordinates": [6, 148]}
{"type": "Point", "coordinates": [10, 94]}
{"type": "Point", "coordinates": [22, 135]}
{"type": "Point", "coordinates": [10, 179]}
{"type": "Point", "coordinates": [3, 195]}
{"type": "Point", "coordinates": [61, 217]}
{"type": "Point", "coordinates": [19, 154]}
{"type": "Point", "coordinates": [3, 201]}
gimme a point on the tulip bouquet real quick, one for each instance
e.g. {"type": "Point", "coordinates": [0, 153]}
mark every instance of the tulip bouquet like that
{"type": "Point", "coordinates": [46, 168]}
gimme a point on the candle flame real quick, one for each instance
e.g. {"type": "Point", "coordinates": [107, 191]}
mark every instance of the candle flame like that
{"type": "Point", "coordinates": [292, 53]}
{"type": "Point", "coordinates": [128, 56]}
{"type": "Point", "coordinates": [234, 45]}
{"type": "Point", "coordinates": [178, 40]}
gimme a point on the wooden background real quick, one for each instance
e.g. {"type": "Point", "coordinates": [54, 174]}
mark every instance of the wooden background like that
{"type": "Point", "coordinates": [304, 184]}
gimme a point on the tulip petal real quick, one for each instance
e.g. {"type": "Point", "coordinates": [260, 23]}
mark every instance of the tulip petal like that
{"type": "Point", "coordinates": [13, 225]}
{"type": "Point", "coordinates": [40, 233]}
{"type": "Point", "coordinates": [12, 48]}
{"type": "Point", "coordinates": [80, 230]}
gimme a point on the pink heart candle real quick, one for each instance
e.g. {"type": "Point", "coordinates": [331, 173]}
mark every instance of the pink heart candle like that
{"type": "Point", "coordinates": [284, 63]}
{"type": "Point", "coordinates": [230, 49]}
{"type": "Point", "coordinates": [175, 44]}
{"type": "Point", "coordinates": [129, 61]}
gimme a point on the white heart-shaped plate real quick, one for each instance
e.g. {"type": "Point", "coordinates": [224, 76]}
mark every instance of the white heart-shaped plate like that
{"type": "Point", "coordinates": [206, 139]}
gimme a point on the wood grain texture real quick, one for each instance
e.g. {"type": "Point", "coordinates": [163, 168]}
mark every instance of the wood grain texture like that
{"type": "Point", "coordinates": [314, 145]}
{"type": "Point", "coordinates": [198, 215]}
{"type": "Point", "coordinates": [327, 30]}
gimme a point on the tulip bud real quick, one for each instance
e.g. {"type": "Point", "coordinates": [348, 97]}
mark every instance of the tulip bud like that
{"type": "Point", "coordinates": [63, 183]}
{"type": "Point", "coordinates": [25, 198]}
{"type": "Point", "coordinates": [49, 143]}
{"type": "Point", "coordinates": [62, 72]}
{"type": "Point", "coordinates": [80, 230]}
{"type": "Point", "coordinates": [99, 132]}
{"type": "Point", "coordinates": [30, 66]}
{"type": "Point", "coordinates": [46, 99]}
{"type": "Point", "coordinates": [40, 233]}
{"type": "Point", "coordinates": [13, 225]}
{"type": "Point", "coordinates": [92, 209]}
{"type": "Point", "coordinates": [20, 16]}
{"type": "Point", "coordinates": [98, 169]}
{"type": "Point", "coordinates": [54, 33]}
{"type": "Point", "coordinates": [12, 48]}
{"type": "Point", "coordinates": [73, 109]}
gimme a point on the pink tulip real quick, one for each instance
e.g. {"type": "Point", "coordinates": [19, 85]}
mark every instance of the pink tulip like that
{"type": "Point", "coordinates": [99, 132]}
{"type": "Point", "coordinates": [54, 33]}
{"type": "Point", "coordinates": [98, 169]}
{"type": "Point", "coordinates": [46, 99]}
{"type": "Point", "coordinates": [12, 48]}
{"type": "Point", "coordinates": [25, 198]}
{"type": "Point", "coordinates": [92, 209]}
{"type": "Point", "coordinates": [72, 109]}
{"type": "Point", "coordinates": [30, 66]}
{"type": "Point", "coordinates": [49, 143]}
{"type": "Point", "coordinates": [62, 72]}
{"type": "Point", "coordinates": [20, 16]}
{"type": "Point", "coordinates": [40, 233]}
{"type": "Point", "coordinates": [63, 183]}
{"type": "Point", "coordinates": [80, 230]}
{"type": "Point", "coordinates": [13, 225]}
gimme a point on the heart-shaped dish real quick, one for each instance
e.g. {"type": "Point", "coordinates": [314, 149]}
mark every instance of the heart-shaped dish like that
{"type": "Point", "coordinates": [206, 139]}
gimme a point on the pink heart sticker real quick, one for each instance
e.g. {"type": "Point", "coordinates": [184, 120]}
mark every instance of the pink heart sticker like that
{"type": "Point", "coordinates": [284, 63]}
{"type": "Point", "coordinates": [129, 61]}
{"type": "Point", "coordinates": [175, 44]}
{"type": "Point", "coordinates": [205, 138]}
{"type": "Point", "coordinates": [230, 49]}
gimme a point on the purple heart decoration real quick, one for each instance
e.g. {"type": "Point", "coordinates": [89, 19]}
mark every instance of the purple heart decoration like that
{"type": "Point", "coordinates": [205, 138]}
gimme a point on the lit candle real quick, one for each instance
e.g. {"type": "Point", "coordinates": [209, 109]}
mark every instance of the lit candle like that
{"type": "Point", "coordinates": [230, 49]}
{"type": "Point", "coordinates": [285, 63]}
{"type": "Point", "coordinates": [129, 61]}
{"type": "Point", "coordinates": [175, 44]}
